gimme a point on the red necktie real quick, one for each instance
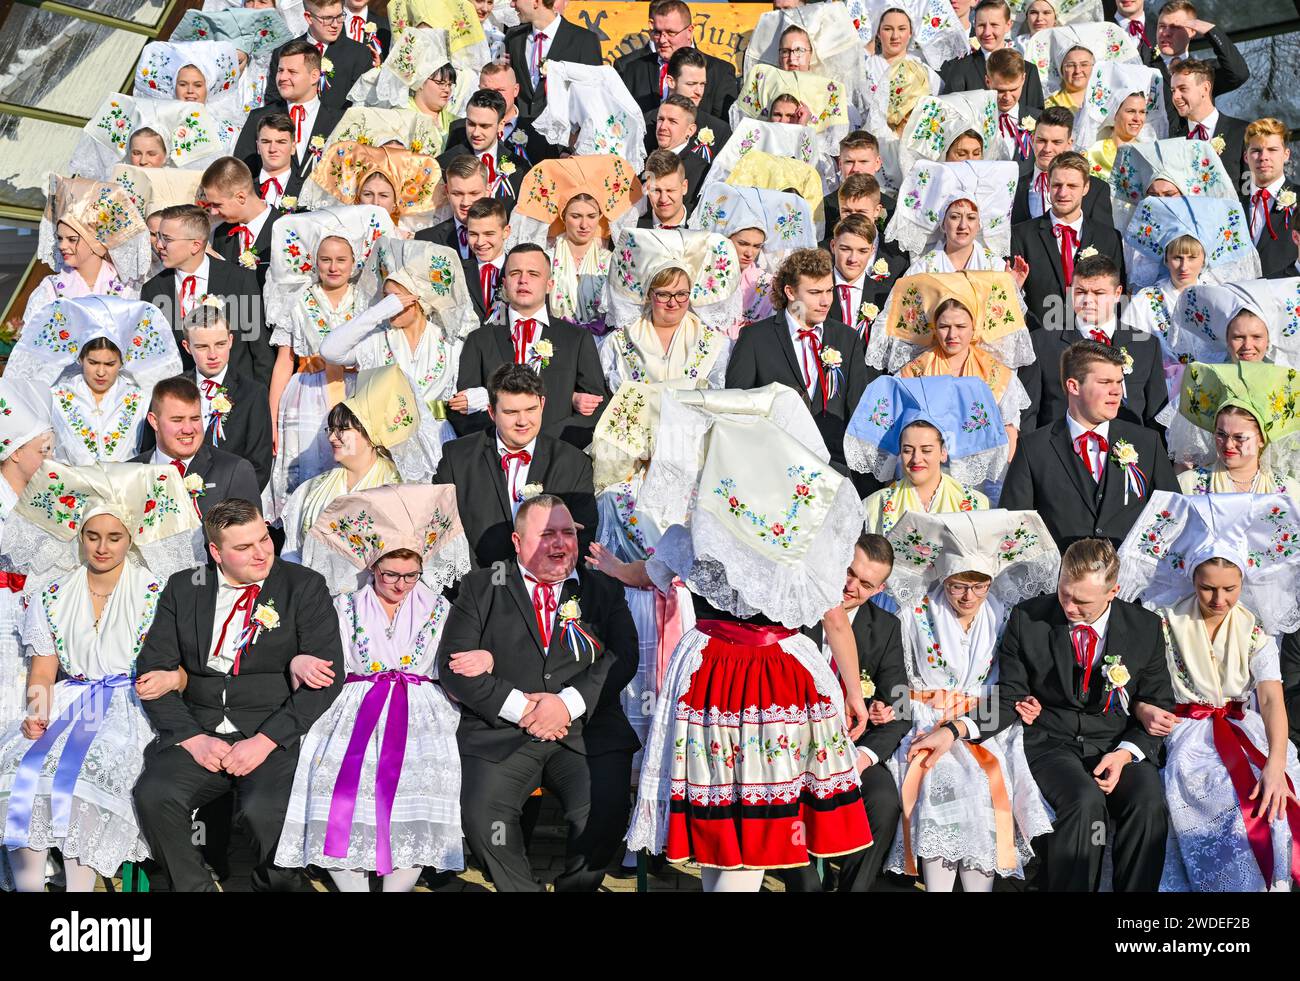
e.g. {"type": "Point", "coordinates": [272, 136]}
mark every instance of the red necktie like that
{"type": "Point", "coordinates": [663, 81]}
{"type": "Point", "coordinates": [297, 114]}
{"type": "Point", "coordinates": [209, 386]}
{"type": "Point", "coordinates": [524, 332]}
{"type": "Point", "coordinates": [491, 165]}
{"type": "Point", "coordinates": [279, 191]}
{"type": "Point", "coordinates": [245, 235]}
{"type": "Point", "coordinates": [1100, 336]}
{"type": "Point", "coordinates": [189, 285]}
{"type": "Point", "coordinates": [544, 608]}
{"type": "Point", "coordinates": [669, 228]}
{"type": "Point", "coordinates": [1263, 197]}
{"type": "Point", "coordinates": [846, 302]}
{"type": "Point", "coordinates": [180, 466]}
{"type": "Point", "coordinates": [1198, 132]}
{"type": "Point", "coordinates": [538, 40]}
{"type": "Point", "coordinates": [1138, 30]}
{"type": "Point", "coordinates": [812, 346]}
{"type": "Point", "coordinates": [1085, 451]}
{"type": "Point", "coordinates": [320, 46]}
{"type": "Point", "coordinates": [357, 28]}
{"type": "Point", "coordinates": [1084, 639]}
{"type": "Point", "coordinates": [487, 278]}
{"type": "Point", "coordinates": [1040, 186]}
{"type": "Point", "coordinates": [247, 597]}
{"type": "Point", "coordinates": [1069, 243]}
{"type": "Point", "coordinates": [1009, 126]}
{"type": "Point", "coordinates": [519, 458]}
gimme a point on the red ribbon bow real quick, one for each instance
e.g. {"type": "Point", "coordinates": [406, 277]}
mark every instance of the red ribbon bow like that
{"type": "Point", "coordinates": [12, 581]}
{"type": "Point", "coordinates": [543, 608]}
{"type": "Point", "coordinates": [809, 336]}
{"type": "Point", "coordinates": [522, 457]}
{"type": "Point", "coordinates": [1069, 244]}
{"type": "Point", "coordinates": [1137, 29]}
{"type": "Point", "coordinates": [1081, 447]}
{"type": "Point", "coordinates": [245, 235]}
{"type": "Point", "coordinates": [1084, 638]}
{"type": "Point", "coordinates": [357, 28]}
{"type": "Point", "coordinates": [297, 114]}
{"type": "Point", "coordinates": [487, 279]}
{"type": "Point", "coordinates": [524, 332]}
{"type": "Point", "coordinates": [279, 190]}
{"type": "Point", "coordinates": [1263, 197]}
{"type": "Point", "coordinates": [189, 287]}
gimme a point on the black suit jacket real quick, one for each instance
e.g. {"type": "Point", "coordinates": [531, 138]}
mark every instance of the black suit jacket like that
{"type": "Point", "coordinates": [764, 353]}
{"type": "Point", "coordinates": [966, 74]}
{"type": "Point", "coordinates": [1230, 69]}
{"type": "Point", "coordinates": [1145, 393]}
{"type": "Point", "coordinates": [572, 43]}
{"type": "Point", "coordinates": [259, 698]}
{"type": "Point", "coordinates": [1233, 132]}
{"type": "Point", "coordinates": [229, 247]}
{"type": "Point", "coordinates": [1037, 658]}
{"type": "Point", "coordinates": [721, 133]}
{"type": "Point", "coordinates": [470, 269]}
{"type": "Point", "coordinates": [873, 291]}
{"type": "Point", "coordinates": [246, 429]}
{"type": "Point", "coordinates": [500, 619]}
{"type": "Point", "coordinates": [504, 154]}
{"type": "Point", "coordinates": [224, 475]}
{"type": "Point", "coordinates": [1277, 252]}
{"type": "Point", "coordinates": [640, 73]}
{"type": "Point", "coordinates": [327, 117]}
{"type": "Point", "coordinates": [351, 60]}
{"type": "Point", "coordinates": [251, 353]}
{"type": "Point", "coordinates": [831, 214]}
{"type": "Point", "coordinates": [574, 367]}
{"type": "Point", "coordinates": [535, 150]}
{"type": "Point", "coordinates": [472, 465]}
{"type": "Point", "coordinates": [1096, 201]}
{"type": "Point", "coordinates": [292, 181]}
{"type": "Point", "coordinates": [1036, 241]}
{"type": "Point", "coordinates": [1047, 476]}
{"type": "Point", "coordinates": [1146, 49]}
{"type": "Point", "coordinates": [444, 233]}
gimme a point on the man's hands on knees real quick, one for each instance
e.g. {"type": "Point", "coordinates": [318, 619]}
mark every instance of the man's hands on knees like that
{"type": "Point", "coordinates": [1109, 769]}
{"type": "Point", "coordinates": [208, 751]}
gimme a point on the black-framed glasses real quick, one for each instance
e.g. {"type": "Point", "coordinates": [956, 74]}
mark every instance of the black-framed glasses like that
{"type": "Point", "coordinates": [665, 296]}
{"type": "Point", "coordinates": [666, 33]}
{"type": "Point", "coordinates": [389, 578]}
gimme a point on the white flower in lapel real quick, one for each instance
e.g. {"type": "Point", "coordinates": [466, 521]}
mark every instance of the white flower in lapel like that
{"type": "Point", "coordinates": [1286, 199]}
{"type": "Point", "coordinates": [265, 616]}
{"type": "Point", "coordinates": [194, 484]}
{"type": "Point", "coordinates": [1116, 672]}
{"type": "Point", "coordinates": [1124, 453]}
{"type": "Point", "coordinates": [570, 609]}
{"type": "Point", "coordinates": [868, 686]}
{"type": "Point", "coordinates": [1219, 145]}
{"type": "Point", "coordinates": [530, 490]}
{"type": "Point", "coordinates": [1088, 253]}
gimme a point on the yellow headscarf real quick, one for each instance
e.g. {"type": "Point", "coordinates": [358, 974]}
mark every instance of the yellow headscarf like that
{"type": "Point", "coordinates": [416, 178]}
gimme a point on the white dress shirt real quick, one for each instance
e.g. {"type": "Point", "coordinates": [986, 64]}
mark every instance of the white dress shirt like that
{"type": "Point", "coordinates": [272, 196]}
{"type": "Point", "coordinates": [1258, 212]}
{"type": "Point", "coordinates": [1040, 203]}
{"type": "Point", "coordinates": [515, 705]}
{"type": "Point", "coordinates": [359, 17]}
{"type": "Point", "coordinates": [200, 275]}
{"type": "Point", "coordinates": [308, 124]}
{"type": "Point", "coordinates": [804, 349]}
{"type": "Point", "coordinates": [855, 293]}
{"type": "Point", "coordinates": [223, 660]}
{"type": "Point", "coordinates": [679, 220]}
{"type": "Point", "coordinates": [517, 476]}
{"type": "Point", "coordinates": [1209, 122]}
{"type": "Point", "coordinates": [161, 459]}
{"type": "Point", "coordinates": [205, 400]}
{"type": "Point", "coordinates": [1005, 141]}
{"type": "Point", "coordinates": [548, 38]}
{"type": "Point", "coordinates": [513, 316]}
{"type": "Point", "coordinates": [1077, 225]}
{"type": "Point", "coordinates": [254, 226]}
{"type": "Point", "coordinates": [1099, 625]}
{"type": "Point", "coordinates": [1098, 457]}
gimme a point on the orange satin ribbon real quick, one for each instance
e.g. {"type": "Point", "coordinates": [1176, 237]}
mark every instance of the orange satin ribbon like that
{"type": "Point", "coordinates": [953, 705]}
{"type": "Point", "coordinates": [335, 390]}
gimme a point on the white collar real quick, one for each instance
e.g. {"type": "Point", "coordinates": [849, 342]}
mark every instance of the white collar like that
{"type": "Point", "coordinates": [311, 105]}
{"type": "Point", "coordinates": [793, 326]}
{"type": "Point", "coordinates": [524, 574]}
{"type": "Point", "coordinates": [266, 175]}
{"type": "Point", "coordinates": [1273, 189]}
{"type": "Point", "coordinates": [491, 151]}
{"type": "Point", "coordinates": [856, 283]}
{"type": "Point", "coordinates": [1077, 224]}
{"type": "Point", "coordinates": [363, 13]}
{"type": "Point", "coordinates": [1099, 625]}
{"type": "Point", "coordinates": [225, 584]}
{"type": "Point", "coordinates": [499, 261]}
{"type": "Point", "coordinates": [681, 216]}
{"type": "Point", "coordinates": [1209, 122]}
{"type": "Point", "coordinates": [1077, 428]}
{"type": "Point", "coordinates": [201, 273]}
{"type": "Point", "coordinates": [219, 377]}
{"type": "Point", "coordinates": [539, 316]}
{"type": "Point", "coordinates": [680, 148]}
{"type": "Point", "coordinates": [254, 225]}
{"type": "Point", "coordinates": [549, 30]}
{"type": "Point", "coordinates": [161, 459]}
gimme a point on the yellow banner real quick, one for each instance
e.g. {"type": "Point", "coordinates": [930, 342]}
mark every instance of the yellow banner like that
{"type": "Point", "coordinates": [721, 29]}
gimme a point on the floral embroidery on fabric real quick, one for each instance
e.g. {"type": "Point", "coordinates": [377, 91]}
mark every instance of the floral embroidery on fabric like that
{"type": "Point", "coordinates": [1284, 543]}
{"type": "Point", "coordinates": [54, 336]}
{"type": "Point", "coordinates": [439, 525]}
{"type": "Point", "coordinates": [89, 437]}
{"type": "Point", "coordinates": [1012, 546]}
{"type": "Point", "coordinates": [625, 507]}
{"type": "Point", "coordinates": [715, 278]}
{"type": "Point", "coordinates": [115, 122]}
{"type": "Point", "coordinates": [880, 413]}
{"type": "Point", "coordinates": [933, 653]}
{"type": "Point", "coordinates": [780, 532]}
{"type": "Point", "coordinates": [157, 505]}
{"type": "Point", "coordinates": [978, 419]}
{"type": "Point", "coordinates": [358, 533]}
{"type": "Point", "coordinates": [1154, 540]}
{"type": "Point", "coordinates": [918, 550]}
{"type": "Point", "coordinates": [57, 504]}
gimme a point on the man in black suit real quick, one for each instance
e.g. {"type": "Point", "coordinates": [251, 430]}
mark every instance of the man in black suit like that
{"type": "Point", "coordinates": [356, 18]}
{"type": "Point", "coordinates": [1052, 244]}
{"type": "Point", "coordinates": [967, 74]}
{"type": "Point", "coordinates": [1078, 660]}
{"type": "Point", "coordinates": [176, 418]}
{"type": "Point", "coordinates": [510, 457]}
{"type": "Point", "coordinates": [345, 60]}
{"type": "Point", "coordinates": [645, 70]}
{"type": "Point", "coordinates": [235, 409]}
{"type": "Point", "coordinates": [666, 186]}
{"type": "Point", "coordinates": [1005, 74]}
{"type": "Point", "coordinates": [1071, 473]}
{"type": "Point", "coordinates": [860, 195]}
{"type": "Point", "coordinates": [864, 273]}
{"type": "Point", "coordinates": [517, 130]}
{"type": "Point", "coordinates": [481, 134]}
{"type": "Point", "coordinates": [244, 235]}
{"type": "Point", "coordinates": [563, 354]}
{"type": "Point", "coordinates": [1269, 199]}
{"type": "Point", "coordinates": [543, 35]}
{"type": "Point", "coordinates": [1052, 137]}
{"type": "Point", "coordinates": [238, 723]}
{"type": "Point", "coordinates": [1177, 25]}
{"type": "Point", "coordinates": [296, 76]}
{"type": "Point", "coordinates": [273, 166]}
{"type": "Point", "coordinates": [191, 274]}
{"type": "Point", "coordinates": [488, 230]}
{"type": "Point", "coordinates": [687, 77]}
{"type": "Point", "coordinates": [798, 347]}
{"type": "Point", "coordinates": [880, 663]}
{"type": "Point", "coordinates": [675, 130]}
{"type": "Point", "coordinates": [1095, 296]}
{"type": "Point", "coordinates": [548, 714]}
{"type": "Point", "coordinates": [859, 154]}
{"type": "Point", "coordinates": [1192, 83]}
{"type": "Point", "coordinates": [1138, 22]}
{"type": "Point", "coordinates": [467, 183]}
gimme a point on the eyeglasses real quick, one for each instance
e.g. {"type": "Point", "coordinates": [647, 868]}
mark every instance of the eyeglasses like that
{"type": "Point", "coordinates": [332, 431]}
{"type": "Point", "coordinates": [327, 21]}
{"type": "Point", "coordinates": [791, 52]}
{"type": "Point", "coordinates": [665, 33]}
{"type": "Point", "coordinates": [665, 297]}
{"type": "Point", "coordinates": [1236, 439]}
{"type": "Point", "coordinates": [443, 82]}
{"type": "Point", "coordinates": [962, 588]}
{"type": "Point", "coordinates": [389, 578]}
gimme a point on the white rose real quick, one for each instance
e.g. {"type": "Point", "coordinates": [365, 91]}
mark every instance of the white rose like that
{"type": "Point", "coordinates": [868, 687]}
{"type": "Point", "coordinates": [193, 483]}
{"type": "Point", "coordinates": [570, 610]}
{"type": "Point", "coordinates": [869, 311]}
{"type": "Point", "coordinates": [248, 258]}
{"type": "Point", "coordinates": [531, 490]}
{"type": "Point", "coordinates": [317, 143]}
{"type": "Point", "coordinates": [1286, 199]}
{"type": "Point", "coordinates": [267, 617]}
{"type": "Point", "coordinates": [831, 357]}
{"type": "Point", "coordinates": [543, 349]}
{"type": "Point", "coordinates": [1028, 124]}
{"type": "Point", "coordinates": [326, 66]}
{"type": "Point", "coordinates": [221, 404]}
{"type": "Point", "coordinates": [507, 167]}
{"type": "Point", "coordinates": [880, 268]}
{"type": "Point", "coordinates": [1088, 253]}
{"type": "Point", "coordinates": [705, 137]}
{"type": "Point", "coordinates": [288, 202]}
{"type": "Point", "coordinates": [1117, 674]}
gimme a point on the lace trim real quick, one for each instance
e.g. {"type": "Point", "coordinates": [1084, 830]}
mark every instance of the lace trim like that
{"type": "Point", "coordinates": [786, 792]}
{"type": "Point", "coordinates": [752, 714]}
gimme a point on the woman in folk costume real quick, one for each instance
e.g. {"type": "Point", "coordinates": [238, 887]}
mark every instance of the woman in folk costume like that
{"type": "Point", "coordinates": [100, 356]}
{"type": "Point", "coordinates": [1221, 570]}
{"type": "Point", "coordinates": [374, 434]}
{"type": "Point", "coordinates": [972, 811]}
{"type": "Point", "coordinates": [822, 102]}
{"type": "Point", "coordinates": [375, 126]}
{"type": "Point", "coordinates": [940, 121]}
{"type": "Point", "coordinates": [26, 443]}
{"type": "Point", "coordinates": [1123, 107]}
{"type": "Point", "coordinates": [192, 135]}
{"type": "Point", "coordinates": [206, 72]}
{"type": "Point", "coordinates": [419, 321]}
{"type": "Point", "coordinates": [764, 226]}
{"type": "Point", "coordinates": [953, 217]}
{"type": "Point", "coordinates": [1030, 18]}
{"type": "Point", "coordinates": [1238, 427]}
{"type": "Point", "coordinates": [1162, 168]}
{"type": "Point", "coordinates": [590, 112]}
{"type": "Point", "coordinates": [150, 190]}
{"type": "Point", "coordinates": [94, 239]}
{"type": "Point", "coordinates": [255, 35]}
{"type": "Point", "coordinates": [378, 782]}
{"type": "Point", "coordinates": [102, 541]}
{"type": "Point", "coordinates": [968, 325]}
{"type": "Point", "coordinates": [467, 45]}
{"type": "Point", "coordinates": [778, 140]}
{"type": "Point", "coordinates": [909, 429]}
{"type": "Point", "coordinates": [406, 184]}
{"type": "Point", "coordinates": [1086, 44]}
{"type": "Point", "coordinates": [574, 208]}
{"type": "Point", "coordinates": [760, 528]}
{"type": "Point", "coordinates": [670, 298]}
{"type": "Point", "coordinates": [316, 260]}
{"type": "Point", "coordinates": [763, 170]}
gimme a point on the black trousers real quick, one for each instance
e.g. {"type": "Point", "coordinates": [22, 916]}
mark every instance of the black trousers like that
{"type": "Point", "coordinates": [1133, 819]}
{"type": "Point", "coordinates": [172, 785]}
{"type": "Point", "coordinates": [859, 871]}
{"type": "Point", "coordinates": [592, 790]}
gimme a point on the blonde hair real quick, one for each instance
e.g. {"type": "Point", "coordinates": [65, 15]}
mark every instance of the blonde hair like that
{"type": "Point", "coordinates": [1267, 127]}
{"type": "Point", "coordinates": [663, 277]}
{"type": "Point", "coordinates": [1185, 245]}
{"type": "Point", "coordinates": [1090, 557]}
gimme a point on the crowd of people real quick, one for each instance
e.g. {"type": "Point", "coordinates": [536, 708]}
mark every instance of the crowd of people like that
{"type": "Point", "coordinates": [876, 460]}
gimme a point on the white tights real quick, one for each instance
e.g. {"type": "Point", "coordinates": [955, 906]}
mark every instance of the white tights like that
{"type": "Point", "coordinates": [399, 880]}
{"type": "Point", "coordinates": [732, 880]}
{"type": "Point", "coordinates": [941, 878]}
{"type": "Point", "coordinates": [29, 871]}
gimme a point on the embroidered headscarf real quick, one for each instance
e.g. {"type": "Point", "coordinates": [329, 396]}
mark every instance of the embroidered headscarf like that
{"type": "Point", "coordinates": [825, 98]}
{"type": "Point", "coordinates": [161, 62]}
{"type": "Point", "coordinates": [1267, 391]}
{"type": "Point", "coordinates": [1220, 226]}
{"type": "Point", "coordinates": [785, 220]}
{"type": "Point", "coordinates": [416, 178]}
{"type": "Point", "coordinates": [103, 214]}
{"type": "Point", "coordinates": [153, 188]}
{"type": "Point", "coordinates": [936, 32]}
{"type": "Point", "coordinates": [1192, 166]}
{"type": "Point", "coordinates": [930, 188]}
{"type": "Point", "coordinates": [375, 126]}
{"type": "Point", "coordinates": [254, 32]}
{"type": "Point", "coordinates": [709, 261]}
{"type": "Point", "coordinates": [1107, 41]}
{"type": "Point", "coordinates": [466, 43]}
{"type": "Point", "coordinates": [431, 273]}
{"type": "Point", "coordinates": [775, 139]}
{"type": "Point", "coordinates": [938, 120]}
{"type": "Point", "coordinates": [24, 414]}
{"type": "Point", "coordinates": [193, 134]}
{"type": "Point", "coordinates": [763, 170]}
{"type": "Point", "coordinates": [592, 101]}
{"type": "Point", "coordinates": [1080, 12]}
{"type": "Point", "coordinates": [551, 184]}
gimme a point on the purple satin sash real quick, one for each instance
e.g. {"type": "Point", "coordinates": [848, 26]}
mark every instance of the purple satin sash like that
{"type": "Point", "coordinates": [391, 753]}
{"type": "Point", "coordinates": [84, 727]}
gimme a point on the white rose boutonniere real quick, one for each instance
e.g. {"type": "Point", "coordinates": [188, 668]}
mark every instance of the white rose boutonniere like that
{"type": "Point", "coordinates": [194, 484]}
{"type": "Point", "coordinates": [1126, 458]}
{"type": "Point", "coordinates": [1088, 252]}
{"type": "Point", "coordinates": [832, 358]}
{"type": "Point", "coordinates": [1286, 200]}
{"type": "Point", "coordinates": [370, 27]}
{"type": "Point", "coordinates": [705, 137]}
{"type": "Point", "coordinates": [327, 68]}
{"type": "Point", "coordinates": [1028, 124]}
{"type": "Point", "coordinates": [1128, 360]}
{"type": "Point", "coordinates": [1219, 145]}
{"type": "Point", "coordinates": [519, 138]}
{"type": "Point", "coordinates": [573, 633]}
{"type": "Point", "coordinates": [879, 270]}
{"type": "Point", "coordinates": [868, 686]}
{"type": "Point", "coordinates": [974, 43]}
{"type": "Point", "coordinates": [832, 364]}
{"type": "Point", "coordinates": [317, 147]}
{"type": "Point", "coordinates": [543, 351]}
{"type": "Point", "coordinates": [1124, 453]}
{"type": "Point", "coordinates": [868, 312]}
{"type": "Point", "coordinates": [1117, 676]}
{"type": "Point", "coordinates": [507, 167]}
{"type": "Point", "coordinates": [288, 203]}
{"type": "Point", "coordinates": [248, 258]}
{"type": "Point", "coordinates": [265, 616]}
{"type": "Point", "coordinates": [221, 403]}
{"type": "Point", "coordinates": [530, 490]}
